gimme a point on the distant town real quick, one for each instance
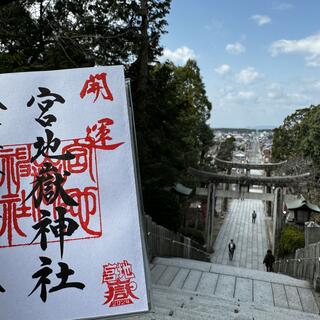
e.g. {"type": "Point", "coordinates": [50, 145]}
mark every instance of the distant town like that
{"type": "Point", "coordinates": [242, 142]}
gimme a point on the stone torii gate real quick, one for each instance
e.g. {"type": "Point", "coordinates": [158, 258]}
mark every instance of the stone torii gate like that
{"type": "Point", "coordinates": [213, 179]}
{"type": "Point", "coordinates": [267, 167]}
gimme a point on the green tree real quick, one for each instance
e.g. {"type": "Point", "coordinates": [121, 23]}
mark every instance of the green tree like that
{"type": "Point", "coordinates": [70, 33]}
{"type": "Point", "coordinates": [298, 136]}
{"type": "Point", "coordinates": [172, 135]}
{"type": "Point", "coordinates": [226, 149]}
{"type": "Point", "coordinates": [297, 141]}
{"type": "Point", "coordinates": [170, 103]}
{"type": "Point", "coordinates": [291, 238]}
{"type": "Point", "coordinates": [287, 138]}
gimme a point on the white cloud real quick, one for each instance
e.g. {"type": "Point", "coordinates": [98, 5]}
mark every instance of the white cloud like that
{"type": "Point", "coordinates": [180, 55]}
{"type": "Point", "coordinates": [295, 96]}
{"type": "Point", "coordinates": [229, 94]}
{"type": "Point", "coordinates": [309, 46]}
{"type": "Point", "coordinates": [274, 95]}
{"type": "Point", "coordinates": [311, 85]}
{"type": "Point", "coordinates": [298, 97]}
{"type": "Point", "coordinates": [267, 103]}
{"type": "Point", "coordinates": [246, 95]}
{"type": "Point", "coordinates": [235, 48]}
{"type": "Point", "coordinates": [275, 91]}
{"type": "Point", "coordinates": [214, 25]}
{"type": "Point", "coordinates": [282, 6]}
{"type": "Point", "coordinates": [248, 75]}
{"type": "Point", "coordinates": [316, 85]}
{"type": "Point", "coordinates": [313, 60]}
{"type": "Point", "coordinates": [261, 20]}
{"type": "Point", "coordinates": [223, 69]}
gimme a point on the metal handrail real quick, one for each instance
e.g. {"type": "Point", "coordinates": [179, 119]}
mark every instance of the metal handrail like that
{"type": "Point", "coordinates": [178, 242]}
{"type": "Point", "coordinates": [282, 266]}
{"type": "Point", "coordinates": [299, 259]}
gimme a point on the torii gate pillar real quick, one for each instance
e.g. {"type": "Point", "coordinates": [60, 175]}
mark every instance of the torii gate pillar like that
{"type": "Point", "coordinates": [268, 190]}
{"type": "Point", "coordinates": [211, 204]}
{"type": "Point", "coordinates": [225, 188]}
{"type": "Point", "coordinates": [278, 218]}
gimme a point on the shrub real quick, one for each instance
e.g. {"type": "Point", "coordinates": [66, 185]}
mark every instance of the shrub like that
{"type": "Point", "coordinates": [194, 234]}
{"type": "Point", "coordinates": [163, 207]}
{"type": "Point", "coordinates": [291, 239]}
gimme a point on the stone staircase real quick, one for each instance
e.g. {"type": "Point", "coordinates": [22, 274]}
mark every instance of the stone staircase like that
{"type": "Point", "coordinates": [193, 290]}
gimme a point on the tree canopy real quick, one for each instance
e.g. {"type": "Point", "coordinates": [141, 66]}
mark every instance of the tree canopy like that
{"type": "Point", "coordinates": [44, 34]}
{"type": "Point", "coordinates": [226, 149]}
{"type": "Point", "coordinates": [297, 141]}
{"type": "Point", "coordinates": [173, 133]}
{"type": "Point", "coordinates": [170, 103]}
{"type": "Point", "coordinates": [298, 136]}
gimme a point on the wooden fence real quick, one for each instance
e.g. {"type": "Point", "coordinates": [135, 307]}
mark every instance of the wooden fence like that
{"type": "Point", "coordinates": [305, 265]}
{"type": "Point", "coordinates": [162, 242]}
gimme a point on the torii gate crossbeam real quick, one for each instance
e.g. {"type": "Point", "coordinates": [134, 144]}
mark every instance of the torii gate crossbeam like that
{"type": "Point", "coordinates": [248, 166]}
{"type": "Point", "coordinates": [278, 181]}
{"type": "Point", "coordinates": [214, 178]}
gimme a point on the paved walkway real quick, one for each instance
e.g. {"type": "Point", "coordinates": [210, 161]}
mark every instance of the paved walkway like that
{"type": "Point", "coordinates": [251, 239]}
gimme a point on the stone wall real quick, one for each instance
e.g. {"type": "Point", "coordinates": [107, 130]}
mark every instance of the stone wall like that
{"type": "Point", "coordinates": [311, 235]}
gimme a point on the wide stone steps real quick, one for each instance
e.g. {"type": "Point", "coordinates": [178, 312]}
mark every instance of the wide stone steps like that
{"type": "Point", "coordinates": [192, 290]}
{"type": "Point", "coordinates": [252, 286]}
{"type": "Point", "coordinates": [184, 289]}
{"type": "Point", "coordinates": [186, 305]}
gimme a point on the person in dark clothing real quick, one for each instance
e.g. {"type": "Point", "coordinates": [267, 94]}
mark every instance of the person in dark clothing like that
{"type": "Point", "coordinates": [232, 248]}
{"type": "Point", "coordinates": [269, 260]}
{"type": "Point", "coordinates": [254, 215]}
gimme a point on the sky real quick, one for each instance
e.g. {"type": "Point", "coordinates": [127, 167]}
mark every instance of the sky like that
{"type": "Point", "coordinates": [259, 59]}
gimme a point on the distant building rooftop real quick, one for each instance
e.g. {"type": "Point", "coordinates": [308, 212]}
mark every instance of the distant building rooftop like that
{"type": "Point", "coordinates": [180, 188]}
{"type": "Point", "coordinates": [300, 203]}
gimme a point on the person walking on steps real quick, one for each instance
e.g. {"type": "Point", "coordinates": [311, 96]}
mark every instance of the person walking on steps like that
{"type": "Point", "coordinates": [254, 215]}
{"type": "Point", "coordinates": [269, 260]}
{"type": "Point", "coordinates": [232, 248]}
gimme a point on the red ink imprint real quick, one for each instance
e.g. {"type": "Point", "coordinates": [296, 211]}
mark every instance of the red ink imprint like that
{"type": "Point", "coordinates": [118, 278]}
{"type": "Point", "coordinates": [98, 135]}
{"type": "Point", "coordinates": [19, 209]}
{"type": "Point", "coordinates": [18, 212]}
{"type": "Point", "coordinates": [97, 84]}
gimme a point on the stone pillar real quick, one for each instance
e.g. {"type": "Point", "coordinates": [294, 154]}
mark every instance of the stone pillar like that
{"type": "Point", "coordinates": [248, 185]}
{"type": "Point", "coordinates": [311, 233]}
{"type": "Point", "coordinates": [210, 217]}
{"type": "Point", "coordinates": [278, 219]}
{"type": "Point", "coordinates": [196, 223]}
{"type": "Point", "coordinates": [213, 204]}
{"type": "Point", "coordinates": [226, 188]}
{"type": "Point", "coordinates": [268, 190]}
